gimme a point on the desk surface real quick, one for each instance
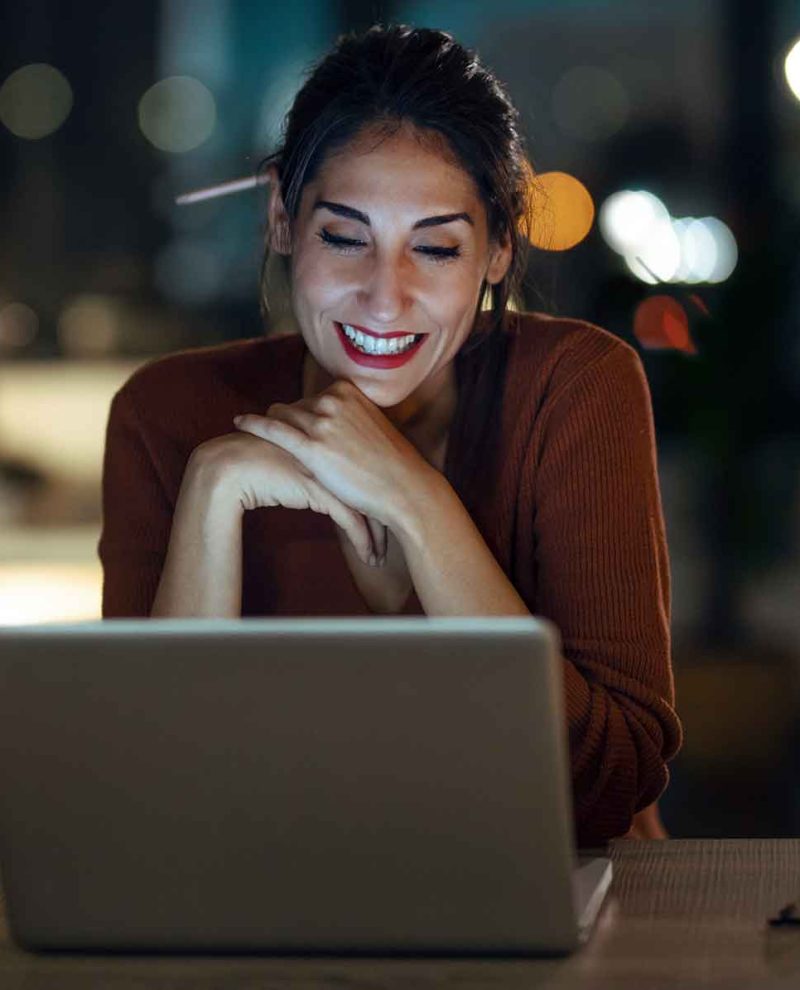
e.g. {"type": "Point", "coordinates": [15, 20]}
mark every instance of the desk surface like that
{"type": "Point", "coordinates": [680, 913]}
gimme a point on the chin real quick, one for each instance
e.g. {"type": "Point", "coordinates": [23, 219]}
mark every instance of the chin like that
{"type": "Point", "coordinates": [383, 395]}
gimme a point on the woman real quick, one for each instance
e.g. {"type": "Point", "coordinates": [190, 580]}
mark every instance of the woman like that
{"type": "Point", "coordinates": [495, 463]}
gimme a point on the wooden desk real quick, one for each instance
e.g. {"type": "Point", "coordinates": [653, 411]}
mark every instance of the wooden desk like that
{"type": "Point", "coordinates": [680, 913]}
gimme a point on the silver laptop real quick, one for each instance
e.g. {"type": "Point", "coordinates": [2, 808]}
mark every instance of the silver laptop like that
{"type": "Point", "coordinates": [387, 785]}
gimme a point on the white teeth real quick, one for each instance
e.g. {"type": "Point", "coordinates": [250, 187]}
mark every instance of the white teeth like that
{"type": "Point", "coordinates": [378, 345]}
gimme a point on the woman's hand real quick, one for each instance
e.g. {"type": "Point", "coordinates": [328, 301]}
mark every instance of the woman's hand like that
{"type": "Point", "coordinates": [260, 474]}
{"type": "Point", "coordinates": [343, 440]}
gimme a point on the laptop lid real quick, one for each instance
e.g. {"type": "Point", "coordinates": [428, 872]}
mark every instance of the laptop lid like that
{"type": "Point", "coordinates": [394, 785]}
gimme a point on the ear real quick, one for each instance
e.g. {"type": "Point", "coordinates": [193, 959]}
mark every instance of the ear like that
{"type": "Point", "coordinates": [278, 219]}
{"type": "Point", "coordinates": [499, 259]}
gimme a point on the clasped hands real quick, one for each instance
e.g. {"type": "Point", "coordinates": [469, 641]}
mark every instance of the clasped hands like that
{"type": "Point", "coordinates": [347, 444]}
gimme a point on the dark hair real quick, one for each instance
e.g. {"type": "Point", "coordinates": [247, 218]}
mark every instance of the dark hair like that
{"type": "Point", "coordinates": [388, 76]}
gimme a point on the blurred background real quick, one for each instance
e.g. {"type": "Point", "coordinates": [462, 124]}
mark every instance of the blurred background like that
{"type": "Point", "coordinates": [666, 143]}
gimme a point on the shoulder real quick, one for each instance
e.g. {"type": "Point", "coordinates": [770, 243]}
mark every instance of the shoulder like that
{"type": "Point", "coordinates": [177, 401]}
{"type": "Point", "coordinates": [556, 348]}
{"type": "Point", "coordinates": [552, 360]}
{"type": "Point", "coordinates": [551, 355]}
{"type": "Point", "coordinates": [201, 372]}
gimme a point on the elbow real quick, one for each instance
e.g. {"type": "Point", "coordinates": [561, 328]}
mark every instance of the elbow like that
{"type": "Point", "coordinates": [627, 770]}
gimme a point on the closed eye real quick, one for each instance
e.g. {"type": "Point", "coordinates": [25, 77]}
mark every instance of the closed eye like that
{"type": "Point", "coordinates": [348, 245]}
{"type": "Point", "coordinates": [345, 244]}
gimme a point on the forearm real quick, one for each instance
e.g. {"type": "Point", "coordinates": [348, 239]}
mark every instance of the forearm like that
{"type": "Point", "coordinates": [202, 575]}
{"type": "Point", "coordinates": [453, 570]}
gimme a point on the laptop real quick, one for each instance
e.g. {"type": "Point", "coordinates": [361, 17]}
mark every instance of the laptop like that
{"type": "Point", "coordinates": [387, 785]}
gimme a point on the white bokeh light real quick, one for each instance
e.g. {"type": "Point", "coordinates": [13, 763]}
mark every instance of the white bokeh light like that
{"type": "Point", "coordinates": [657, 257]}
{"type": "Point", "coordinates": [791, 68]}
{"type": "Point", "coordinates": [628, 218]}
{"type": "Point", "coordinates": [698, 250]}
{"type": "Point", "coordinates": [657, 248]}
{"type": "Point", "coordinates": [727, 251]}
{"type": "Point", "coordinates": [177, 114]}
{"type": "Point", "coordinates": [680, 226]}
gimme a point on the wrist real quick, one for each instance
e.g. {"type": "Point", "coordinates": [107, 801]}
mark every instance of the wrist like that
{"type": "Point", "coordinates": [422, 498]}
{"type": "Point", "coordinates": [206, 482]}
{"type": "Point", "coordinates": [201, 576]}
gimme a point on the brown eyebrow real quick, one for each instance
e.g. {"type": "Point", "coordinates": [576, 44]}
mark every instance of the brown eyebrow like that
{"type": "Point", "coordinates": [353, 214]}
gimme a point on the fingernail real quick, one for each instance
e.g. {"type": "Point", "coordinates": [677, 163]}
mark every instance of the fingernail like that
{"type": "Point", "coordinates": [372, 560]}
{"type": "Point", "coordinates": [237, 420]}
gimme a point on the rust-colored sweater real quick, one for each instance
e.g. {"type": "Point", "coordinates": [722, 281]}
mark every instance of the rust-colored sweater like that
{"type": "Point", "coordinates": [574, 520]}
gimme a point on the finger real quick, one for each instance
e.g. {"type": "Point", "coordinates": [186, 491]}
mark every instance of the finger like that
{"type": "Point", "coordinates": [350, 520]}
{"type": "Point", "coordinates": [283, 434]}
{"type": "Point", "coordinates": [297, 414]}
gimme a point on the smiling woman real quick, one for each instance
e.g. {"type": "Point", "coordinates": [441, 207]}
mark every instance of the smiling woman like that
{"type": "Point", "coordinates": [410, 451]}
{"type": "Point", "coordinates": [390, 237]}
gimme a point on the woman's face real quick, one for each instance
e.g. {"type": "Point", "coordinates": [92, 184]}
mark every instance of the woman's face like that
{"type": "Point", "coordinates": [372, 247]}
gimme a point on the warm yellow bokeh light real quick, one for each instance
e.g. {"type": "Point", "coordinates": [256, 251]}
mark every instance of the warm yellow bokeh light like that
{"type": "Point", "coordinates": [560, 211]}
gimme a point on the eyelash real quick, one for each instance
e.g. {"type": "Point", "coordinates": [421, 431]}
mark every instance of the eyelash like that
{"type": "Point", "coordinates": [439, 255]}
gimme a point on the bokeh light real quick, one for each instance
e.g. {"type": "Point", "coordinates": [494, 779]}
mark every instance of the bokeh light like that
{"type": "Point", "coordinates": [698, 250]}
{"type": "Point", "coordinates": [18, 326]}
{"type": "Point", "coordinates": [727, 251]}
{"type": "Point", "coordinates": [661, 322]}
{"type": "Point", "coordinates": [791, 68]}
{"type": "Point", "coordinates": [88, 326]}
{"type": "Point", "coordinates": [628, 217]}
{"type": "Point", "coordinates": [35, 100]}
{"type": "Point", "coordinates": [658, 258]}
{"type": "Point", "coordinates": [657, 248]}
{"type": "Point", "coordinates": [177, 114]}
{"type": "Point", "coordinates": [590, 103]}
{"type": "Point", "coordinates": [560, 211]}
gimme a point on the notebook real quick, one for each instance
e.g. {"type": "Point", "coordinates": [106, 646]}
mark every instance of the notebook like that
{"type": "Point", "coordinates": [377, 785]}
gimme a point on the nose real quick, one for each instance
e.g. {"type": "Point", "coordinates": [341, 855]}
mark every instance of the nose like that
{"type": "Point", "coordinates": [384, 294]}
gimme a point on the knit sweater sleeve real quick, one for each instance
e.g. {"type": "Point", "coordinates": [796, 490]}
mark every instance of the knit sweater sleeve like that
{"type": "Point", "coordinates": [603, 578]}
{"type": "Point", "coordinates": [137, 515]}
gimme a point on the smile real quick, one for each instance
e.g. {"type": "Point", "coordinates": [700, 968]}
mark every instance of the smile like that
{"type": "Point", "coordinates": [378, 351]}
{"type": "Point", "coordinates": [372, 343]}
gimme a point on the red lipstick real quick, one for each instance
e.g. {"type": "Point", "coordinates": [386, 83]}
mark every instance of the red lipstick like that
{"type": "Point", "coordinates": [387, 361]}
